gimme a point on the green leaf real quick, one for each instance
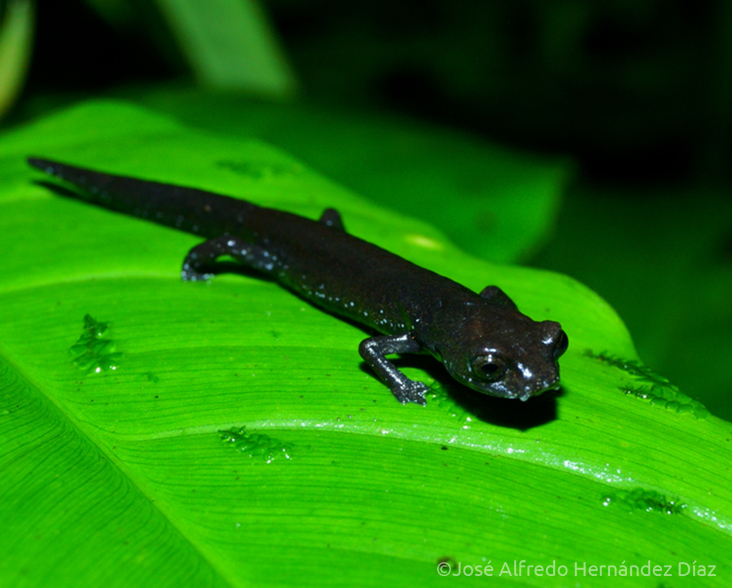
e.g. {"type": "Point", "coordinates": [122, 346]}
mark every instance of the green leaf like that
{"type": "Point", "coordinates": [17, 22]}
{"type": "Point", "coordinates": [235, 439]}
{"type": "Point", "coordinates": [229, 45]}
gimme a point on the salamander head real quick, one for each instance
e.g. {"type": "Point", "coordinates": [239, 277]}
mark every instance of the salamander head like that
{"type": "Point", "coordinates": [504, 353]}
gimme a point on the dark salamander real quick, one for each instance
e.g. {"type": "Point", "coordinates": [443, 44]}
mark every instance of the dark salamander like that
{"type": "Point", "coordinates": [482, 339]}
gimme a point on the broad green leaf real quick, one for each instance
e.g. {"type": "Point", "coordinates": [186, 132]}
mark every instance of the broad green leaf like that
{"type": "Point", "coordinates": [496, 203]}
{"type": "Point", "coordinates": [160, 433]}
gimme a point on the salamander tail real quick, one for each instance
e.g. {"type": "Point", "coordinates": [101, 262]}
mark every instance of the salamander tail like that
{"type": "Point", "coordinates": [188, 209]}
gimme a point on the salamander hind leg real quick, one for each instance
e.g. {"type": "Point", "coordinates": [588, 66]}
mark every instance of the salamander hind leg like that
{"type": "Point", "coordinates": [198, 264]}
{"type": "Point", "coordinates": [332, 218]}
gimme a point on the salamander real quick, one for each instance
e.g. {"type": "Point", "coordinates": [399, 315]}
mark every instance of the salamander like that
{"type": "Point", "coordinates": [482, 339]}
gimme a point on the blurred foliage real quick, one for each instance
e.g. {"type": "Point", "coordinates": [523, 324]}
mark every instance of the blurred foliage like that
{"type": "Point", "coordinates": [16, 40]}
{"type": "Point", "coordinates": [117, 12]}
{"type": "Point", "coordinates": [634, 88]}
{"type": "Point", "coordinates": [631, 88]}
{"type": "Point", "coordinates": [224, 44]}
{"type": "Point", "coordinates": [228, 45]}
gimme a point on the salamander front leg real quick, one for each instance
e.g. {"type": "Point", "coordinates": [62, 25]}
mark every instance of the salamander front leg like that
{"type": "Point", "coordinates": [202, 257]}
{"type": "Point", "coordinates": [374, 350]}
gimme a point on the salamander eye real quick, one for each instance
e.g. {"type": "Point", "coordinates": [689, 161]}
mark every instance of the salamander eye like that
{"type": "Point", "coordinates": [561, 344]}
{"type": "Point", "coordinates": [490, 368]}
